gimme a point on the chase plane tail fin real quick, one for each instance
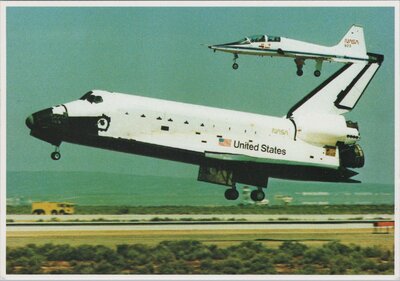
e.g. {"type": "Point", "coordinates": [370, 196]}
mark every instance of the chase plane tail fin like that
{"type": "Point", "coordinates": [353, 43]}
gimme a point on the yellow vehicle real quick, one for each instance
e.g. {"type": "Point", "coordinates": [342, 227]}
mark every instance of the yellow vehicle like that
{"type": "Point", "coordinates": [52, 208]}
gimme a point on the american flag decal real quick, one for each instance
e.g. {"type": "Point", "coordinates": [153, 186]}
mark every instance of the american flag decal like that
{"type": "Point", "coordinates": [225, 142]}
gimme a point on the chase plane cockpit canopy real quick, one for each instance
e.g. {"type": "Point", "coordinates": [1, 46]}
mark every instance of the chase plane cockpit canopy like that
{"type": "Point", "coordinates": [256, 39]}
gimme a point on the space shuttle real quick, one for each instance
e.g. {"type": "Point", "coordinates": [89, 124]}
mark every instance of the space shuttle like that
{"type": "Point", "coordinates": [312, 142]}
{"type": "Point", "coordinates": [350, 49]}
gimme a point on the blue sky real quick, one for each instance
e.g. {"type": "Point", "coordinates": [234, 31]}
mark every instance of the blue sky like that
{"type": "Point", "coordinates": [54, 55]}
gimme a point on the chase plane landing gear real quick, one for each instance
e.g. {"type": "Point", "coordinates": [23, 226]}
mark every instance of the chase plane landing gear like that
{"type": "Point", "coordinates": [56, 155]}
{"type": "Point", "coordinates": [235, 65]}
{"type": "Point", "coordinates": [299, 63]}
{"type": "Point", "coordinates": [318, 66]}
{"type": "Point", "coordinates": [232, 193]}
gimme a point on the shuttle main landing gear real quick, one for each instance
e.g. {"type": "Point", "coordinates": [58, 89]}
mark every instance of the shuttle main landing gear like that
{"type": "Point", "coordinates": [235, 65]}
{"type": "Point", "coordinates": [258, 194]}
{"type": "Point", "coordinates": [56, 155]}
{"type": "Point", "coordinates": [232, 193]}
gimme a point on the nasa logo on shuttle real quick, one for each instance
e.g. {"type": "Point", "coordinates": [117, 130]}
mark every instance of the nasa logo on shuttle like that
{"type": "Point", "coordinates": [282, 132]}
{"type": "Point", "coordinates": [103, 123]}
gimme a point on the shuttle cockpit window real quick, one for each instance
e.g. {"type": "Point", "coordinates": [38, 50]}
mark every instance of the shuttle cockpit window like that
{"type": "Point", "coordinates": [257, 38]}
{"type": "Point", "coordinates": [85, 96]}
{"type": "Point", "coordinates": [95, 99]}
{"type": "Point", "coordinates": [90, 97]}
{"type": "Point", "coordinates": [274, 38]}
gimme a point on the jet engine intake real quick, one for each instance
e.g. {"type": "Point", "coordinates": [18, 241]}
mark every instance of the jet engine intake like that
{"type": "Point", "coordinates": [351, 156]}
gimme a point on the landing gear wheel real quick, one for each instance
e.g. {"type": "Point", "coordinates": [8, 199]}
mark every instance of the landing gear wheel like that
{"type": "Point", "coordinates": [318, 67]}
{"type": "Point", "coordinates": [235, 65]}
{"type": "Point", "coordinates": [231, 194]}
{"type": "Point", "coordinates": [257, 195]}
{"type": "Point", "coordinates": [299, 64]}
{"type": "Point", "coordinates": [56, 155]}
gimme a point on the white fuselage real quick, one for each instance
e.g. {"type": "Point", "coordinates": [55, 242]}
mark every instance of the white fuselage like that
{"type": "Point", "coordinates": [215, 132]}
{"type": "Point", "coordinates": [312, 142]}
{"type": "Point", "coordinates": [294, 48]}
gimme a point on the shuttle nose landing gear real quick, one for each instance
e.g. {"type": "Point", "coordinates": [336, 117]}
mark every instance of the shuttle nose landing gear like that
{"type": "Point", "coordinates": [235, 65]}
{"type": "Point", "coordinates": [56, 155]}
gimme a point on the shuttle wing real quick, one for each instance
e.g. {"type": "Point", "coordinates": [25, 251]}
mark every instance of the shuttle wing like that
{"type": "Point", "coordinates": [226, 168]}
{"type": "Point", "coordinates": [242, 158]}
{"type": "Point", "coordinates": [341, 91]}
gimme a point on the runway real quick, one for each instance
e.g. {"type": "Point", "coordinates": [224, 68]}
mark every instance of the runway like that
{"type": "Point", "coordinates": [77, 223]}
{"type": "Point", "coordinates": [112, 226]}
{"type": "Point", "coordinates": [201, 217]}
{"type": "Point", "coordinates": [223, 230]}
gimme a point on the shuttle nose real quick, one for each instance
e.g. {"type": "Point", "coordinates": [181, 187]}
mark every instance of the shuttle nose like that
{"type": "Point", "coordinates": [30, 122]}
{"type": "Point", "coordinates": [49, 124]}
{"type": "Point", "coordinates": [47, 120]}
{"type": "Point", "coordinates": [39, 120]}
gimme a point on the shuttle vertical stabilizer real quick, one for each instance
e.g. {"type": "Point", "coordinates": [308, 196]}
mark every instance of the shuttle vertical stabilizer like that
{"type": "Point", "coordinates": [340, 92]}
